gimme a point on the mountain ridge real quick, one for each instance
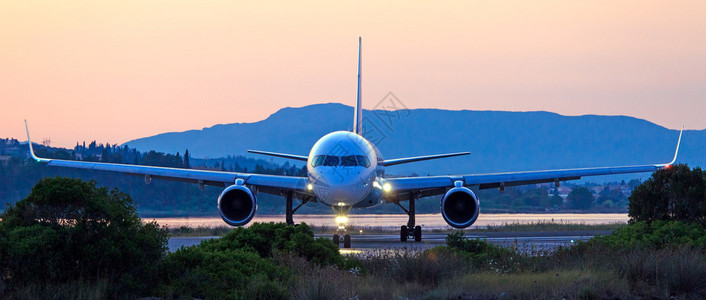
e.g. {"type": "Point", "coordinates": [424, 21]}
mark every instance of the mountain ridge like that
{"type": "Point", "coordinates": [499, 141]}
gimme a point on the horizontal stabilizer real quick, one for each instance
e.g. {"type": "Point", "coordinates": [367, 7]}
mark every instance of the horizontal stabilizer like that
{"type": "Point", "coordinates": [283, 155]}
{"type": "Point", "coordinates": [398, 161]}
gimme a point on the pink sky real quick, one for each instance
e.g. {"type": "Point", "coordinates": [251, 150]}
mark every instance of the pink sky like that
{"type": "Point", "coordinates": [113, 71]}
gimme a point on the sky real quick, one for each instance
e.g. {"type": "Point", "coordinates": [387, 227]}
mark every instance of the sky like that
{"type": "Point", "coordinates": [113, 71]}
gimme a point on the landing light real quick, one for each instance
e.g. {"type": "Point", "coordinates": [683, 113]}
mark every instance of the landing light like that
{"type": "Point", "coordinates": [310, 186]}
{"type": "Point", "coordinates": [341, 219]}
{"type": "Point", "coordinates": [386, 187]}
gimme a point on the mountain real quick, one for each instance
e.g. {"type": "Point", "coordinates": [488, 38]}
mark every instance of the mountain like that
{"type": "Point", "coordinates": [499, 141]}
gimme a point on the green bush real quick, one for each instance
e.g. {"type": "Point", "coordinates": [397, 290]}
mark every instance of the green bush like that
{"type": "Point", "coordinates": [266, 238]}
{"type": "Point", "coordinates": [69, 229]}
{"type": "Point", "coordinates": [243, 264]}
{"type": "Point", "coordinates": [657, 234]}
{"type": "Point", "coordinates": [482, 254]}
{"type": "Point", "coordinates": [197, 272]}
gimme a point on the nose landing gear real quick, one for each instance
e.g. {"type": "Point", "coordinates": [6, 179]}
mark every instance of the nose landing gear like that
{"type": "Point", "coordinates": [341, 220]}
{"type": "Point", "coordinates": [346, 240]}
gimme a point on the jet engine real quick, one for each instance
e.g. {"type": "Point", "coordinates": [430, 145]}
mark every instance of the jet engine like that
{"type": "Point", "coordinates": [237, 205]}
{"type": "Point", "coordinates": [460, 207]}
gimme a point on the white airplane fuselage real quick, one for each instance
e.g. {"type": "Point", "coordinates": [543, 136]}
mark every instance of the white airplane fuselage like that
{"type": "Point", "coordinates": [343, 171]}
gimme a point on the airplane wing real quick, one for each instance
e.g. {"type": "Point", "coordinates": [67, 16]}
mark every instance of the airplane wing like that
{"type": "Point", "coordinates": [283, 155]}
{"type": "Point", "coordinates": [436, 185]}
{"type": "Point", "coordinates": [272, 184]}
{"type": "Point", "coordinates": [398, 161]}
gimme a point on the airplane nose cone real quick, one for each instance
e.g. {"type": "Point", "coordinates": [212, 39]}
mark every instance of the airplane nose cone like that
{"type": "Point", "coordinates": [341, 186]}
{"type": "Point", "coordinates": [349, 194]}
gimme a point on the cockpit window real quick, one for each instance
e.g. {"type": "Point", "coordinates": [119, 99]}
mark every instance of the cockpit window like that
{"type": "Point", "coordinates": [331, 160]}
{"type": "Point", "coordinates": [348, 161]}
{"type": "Point", "coordinates": [344, 161]}
{"type": "Point", "coordinates": [363, 160]}
{"type": "Point", "coordinates": [318, 160]}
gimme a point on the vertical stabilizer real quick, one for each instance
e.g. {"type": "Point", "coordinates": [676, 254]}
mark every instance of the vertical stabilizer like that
{"type": "Point", "coordinates": [358, 117]}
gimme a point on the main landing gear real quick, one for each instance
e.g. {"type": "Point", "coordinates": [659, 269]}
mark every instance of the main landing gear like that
{"type": "Point", "coordinates": [289, 211]}
{"type": "Point", "coordinates": [410, 231]}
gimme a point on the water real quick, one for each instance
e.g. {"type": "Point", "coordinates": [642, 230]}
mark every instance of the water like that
{"type": "Point", "coordinates": [391, 221]}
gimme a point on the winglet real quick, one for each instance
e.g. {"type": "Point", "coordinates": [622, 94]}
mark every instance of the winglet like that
{"type": "Point", "coordinates": [676, 152]}
{"type": "Point", "coordinates": [31, 149]}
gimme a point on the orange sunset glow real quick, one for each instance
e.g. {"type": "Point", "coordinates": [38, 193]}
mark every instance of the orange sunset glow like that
{"type": "Point", "coordinates": [114, 71]}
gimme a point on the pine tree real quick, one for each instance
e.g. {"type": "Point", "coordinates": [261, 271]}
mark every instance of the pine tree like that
{"type": "Point", "coordinates": [187, 165]}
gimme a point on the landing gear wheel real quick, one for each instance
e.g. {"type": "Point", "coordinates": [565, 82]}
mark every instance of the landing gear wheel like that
{"type": "Point", "coordinates": [336, 239]}
{"type": "Point", "coordinates": [418, 233]}
{"type": "Point", "coordinates": [404, 233]}
{"type": "Point", "coordinates": [347, 241]}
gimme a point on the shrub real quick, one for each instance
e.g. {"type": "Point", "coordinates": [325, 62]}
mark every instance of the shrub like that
{"type": "Point", "coordinates": [243, 263]}
{"type": "Point", "coordinates": [266, 238]}
{"type": "Point", "coordinates": [657, 234]}
{"type": "Point", "coordinates": [69, 229]}
{"type": "Point", "coordinates": [197, 272]}
{"type": "Point", "coordinates": [480, 252]}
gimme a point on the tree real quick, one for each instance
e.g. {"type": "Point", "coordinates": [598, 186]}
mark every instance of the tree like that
{"type": "Point", "coordinates": [580, 198]}
{"type": "Point", "coordinates": [68, 229]}
{"type": "Point", "coordinates": [674, 193]}
{"type": "Point", "coordinates": [187, 164]}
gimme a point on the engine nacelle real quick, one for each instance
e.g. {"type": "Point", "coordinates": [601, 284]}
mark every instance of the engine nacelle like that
{"type": "Point", "coordinates": [460, 207]}
{"type": "Point", "coordinates": [237, 205]}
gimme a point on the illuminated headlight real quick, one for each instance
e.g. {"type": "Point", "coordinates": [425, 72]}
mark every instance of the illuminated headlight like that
{"type": "Point", "coordinates": [310, 186]}
{"type": "Point", "coordinates": [341, 219]}
{"type": "Point", "coordinates": [386, 187]}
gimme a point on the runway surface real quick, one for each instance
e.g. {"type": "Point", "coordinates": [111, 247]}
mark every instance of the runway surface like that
{"type": "Point", "coordinates": [363, 244]}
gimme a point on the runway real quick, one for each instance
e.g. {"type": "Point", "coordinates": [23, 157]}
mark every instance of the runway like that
{"type": "Point", "coordinates": [526, 242]}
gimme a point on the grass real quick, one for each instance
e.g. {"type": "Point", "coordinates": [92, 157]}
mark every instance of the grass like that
{"type": "Point", "coordinates": [583, 272]}
{"type": "Point", "coordinates": [549, 226]}
{"type": "Point", "coordinates": [566, 284]}
{"type": "Point", "coordinates": [79, 289]}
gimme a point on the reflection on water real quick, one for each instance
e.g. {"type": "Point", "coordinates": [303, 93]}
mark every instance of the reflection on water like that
{"type": "Point", "coordinates": [429, 221]}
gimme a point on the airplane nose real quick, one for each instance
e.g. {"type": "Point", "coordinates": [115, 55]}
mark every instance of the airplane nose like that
{"type": "Point", "coordinates": [339, 187]}
{"type": "Point", "coordinates": [349, 194]}
{"type": "Point", "coordinates": [339, 176]}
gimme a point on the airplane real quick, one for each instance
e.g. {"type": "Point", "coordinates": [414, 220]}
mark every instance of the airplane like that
{"type": "Point", "coordinates": [346, 171]}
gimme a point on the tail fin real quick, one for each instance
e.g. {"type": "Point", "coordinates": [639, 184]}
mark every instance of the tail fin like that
{"type": "Point", "coordinates": [358, 117]}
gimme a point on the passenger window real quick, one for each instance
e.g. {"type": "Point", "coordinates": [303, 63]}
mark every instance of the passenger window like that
{"type": "Point", "coordinates": [363, 161]}
{"type": "Point", "coordinates": [331, 160]}
{"type": "Point", "coordinates": [348, 161]}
